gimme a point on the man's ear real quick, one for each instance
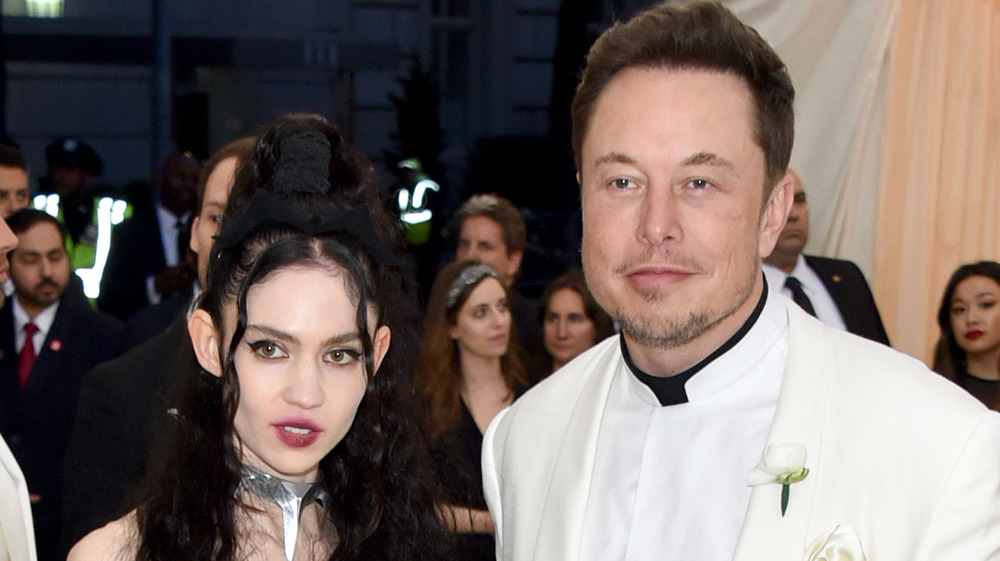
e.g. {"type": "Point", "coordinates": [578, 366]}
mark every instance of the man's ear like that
{"type": "Point", "coordinates": [380, 345]}
{"type": "Point", "coordinates": [205, 339]}
{"type": "Point", "coordinates": [776, 210]}
{"type": "Point", "coordinates": [515, 258]}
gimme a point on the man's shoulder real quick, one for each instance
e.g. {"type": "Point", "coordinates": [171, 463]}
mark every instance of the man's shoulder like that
{"type": "Point", "coordinates": [555, 397]}
{"type": "Point", "coordinates": [88, 320]}
{"type": "Point", "coordinates": [142, 362]}
{"type": "Point", "coordinates": [870, 374]}
{"type": "Point", "coordinates": [574, 375]}
{"type": "Point", "coordinates": [7, 318]}
{"type": "Point", "coordinates": [144, 220]}
{"type": "Point", "coordinates": [832, 265]}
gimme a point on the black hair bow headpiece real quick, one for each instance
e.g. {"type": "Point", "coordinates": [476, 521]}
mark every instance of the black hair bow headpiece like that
{"type": "Point", "coordinates": [265, 209]}
{"type": "Point", "coordinates": [302, 165]}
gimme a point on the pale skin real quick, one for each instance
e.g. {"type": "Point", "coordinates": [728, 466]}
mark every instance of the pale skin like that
{"type": "Point", "coordinates": [675, 211]}
{"type": "Point", "coordinates": [301, 364]}
{"type": "Point", "coordinates": [482, 331]}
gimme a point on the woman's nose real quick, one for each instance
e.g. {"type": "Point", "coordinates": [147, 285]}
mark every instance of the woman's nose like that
{"type": "Point", "coordinates": [304, 388]}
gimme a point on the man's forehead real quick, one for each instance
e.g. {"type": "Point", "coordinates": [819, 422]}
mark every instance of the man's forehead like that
{"type": "Point", "coordinates": [13, 178]}
{"type": "Point", "coordinates": [483, 225]}
{"type": "Point", "coordinates": [41, 229]}
{"type": "Point", "coordinates": [725, 103]}
{"type": "Point", "coordinates": [220, 181]}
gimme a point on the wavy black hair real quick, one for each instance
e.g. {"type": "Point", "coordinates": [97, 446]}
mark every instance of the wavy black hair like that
{"type": "Point", "coordinates": [381, 496]}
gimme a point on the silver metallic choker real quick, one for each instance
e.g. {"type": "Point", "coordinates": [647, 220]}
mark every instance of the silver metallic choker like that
{"type": "Point", "coordinates": [291, 496]}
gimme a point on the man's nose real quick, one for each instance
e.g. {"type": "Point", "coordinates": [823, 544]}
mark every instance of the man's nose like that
{"type": "Point", "coordinates": [658, 219]}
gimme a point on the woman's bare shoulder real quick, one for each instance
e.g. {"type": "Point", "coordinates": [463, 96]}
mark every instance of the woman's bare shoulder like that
{"type": "Point", "coordinates": [115, 541]}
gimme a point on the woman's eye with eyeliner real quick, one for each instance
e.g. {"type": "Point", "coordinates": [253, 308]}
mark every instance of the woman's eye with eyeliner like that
{"type": "Point", "coordinates": [266, 349]}
{"type": "Point", "coordinates": [343, 356]}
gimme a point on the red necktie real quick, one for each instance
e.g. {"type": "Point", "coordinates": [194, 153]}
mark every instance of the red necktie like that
{"type": "Point", "coordinates": [26, 359]}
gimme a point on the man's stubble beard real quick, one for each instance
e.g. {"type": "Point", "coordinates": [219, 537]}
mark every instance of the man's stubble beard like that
{"type": "Point", "coordinates": [668, 333]}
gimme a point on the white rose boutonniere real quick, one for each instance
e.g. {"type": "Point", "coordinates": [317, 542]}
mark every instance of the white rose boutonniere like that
{"type": "Point", "coordinates": [783, 464]}
{"type": "Point", "coordinates": [839, 544]}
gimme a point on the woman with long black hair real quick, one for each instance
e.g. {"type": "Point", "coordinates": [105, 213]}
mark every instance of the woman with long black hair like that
{"type": "Point", "coordinates": [295, 439]}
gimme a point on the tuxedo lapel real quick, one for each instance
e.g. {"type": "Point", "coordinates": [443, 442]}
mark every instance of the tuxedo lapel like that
{"type": "Point", "coordinates": [798, 419]}
{"type": "Point", "coordinates": [566, 494]}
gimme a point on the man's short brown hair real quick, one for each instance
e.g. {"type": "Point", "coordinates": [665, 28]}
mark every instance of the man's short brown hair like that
{"type": "Point", "coordinates": [241, 149]}
{"type": "Point", "coordinates": [501, 210]}
{"type": "Point", "coordinates": [704, 36]}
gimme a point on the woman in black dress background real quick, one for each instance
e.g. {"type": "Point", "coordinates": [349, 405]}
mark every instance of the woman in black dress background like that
{"type": "Point", "coordinates": [467, 372]}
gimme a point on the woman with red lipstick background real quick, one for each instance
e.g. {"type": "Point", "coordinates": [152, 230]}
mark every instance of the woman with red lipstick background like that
{"type": "Point", "coordinates": [467, 373]}
{"type": "Point", "coordinates": [968, 351]}
{"type": "Point", "coordinates": [295, 439]}
{"type": "Point", "coordinates": [572, 321]}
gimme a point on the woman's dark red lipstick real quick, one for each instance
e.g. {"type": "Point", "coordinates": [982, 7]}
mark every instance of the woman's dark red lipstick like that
{"type": "Point", "coordinates": [297, 433]}
{"type": "Point", "coordinates": [973, 335]}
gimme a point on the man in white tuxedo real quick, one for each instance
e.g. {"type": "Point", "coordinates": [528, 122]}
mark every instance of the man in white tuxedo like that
{"type": "Point", "coordinates": [725, 422]}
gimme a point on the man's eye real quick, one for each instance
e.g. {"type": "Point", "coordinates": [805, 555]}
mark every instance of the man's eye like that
{"type": "Point", "coordinates": [699, 183]}
{"type": "Point", "coordinates": [622, 183]}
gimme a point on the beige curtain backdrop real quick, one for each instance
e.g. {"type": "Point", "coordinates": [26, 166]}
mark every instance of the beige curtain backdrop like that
{"type": "Point", "coordinates": [897, 140]}
{"type": "Point", "coordinates": [941, 162]}
{"type": "Point", "coordinates": [837, 52]}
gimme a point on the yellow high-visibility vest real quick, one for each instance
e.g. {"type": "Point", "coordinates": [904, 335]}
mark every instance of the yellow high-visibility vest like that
{"type": "Point", "coordinates": [88, 257]}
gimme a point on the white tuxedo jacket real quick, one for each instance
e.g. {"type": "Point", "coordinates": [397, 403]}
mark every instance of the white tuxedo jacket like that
{"type": "Point", "coordinates": [17, 535]}
{"type": "Point", "coordinates": [904, 465]}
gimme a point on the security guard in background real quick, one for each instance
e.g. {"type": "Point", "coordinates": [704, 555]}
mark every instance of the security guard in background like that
{"type": "Point", "coordinates": [89, 216]}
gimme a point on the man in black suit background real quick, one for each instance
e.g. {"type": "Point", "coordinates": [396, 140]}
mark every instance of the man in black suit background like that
{"type": "Point", "coordinates": [146, 264]}
{"type": "Point", "coordinates": [49, 338]}
{"type": "Point", "coordinates": [833, 290]}
{"type": "Point", "coordinates": [123, 403]}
